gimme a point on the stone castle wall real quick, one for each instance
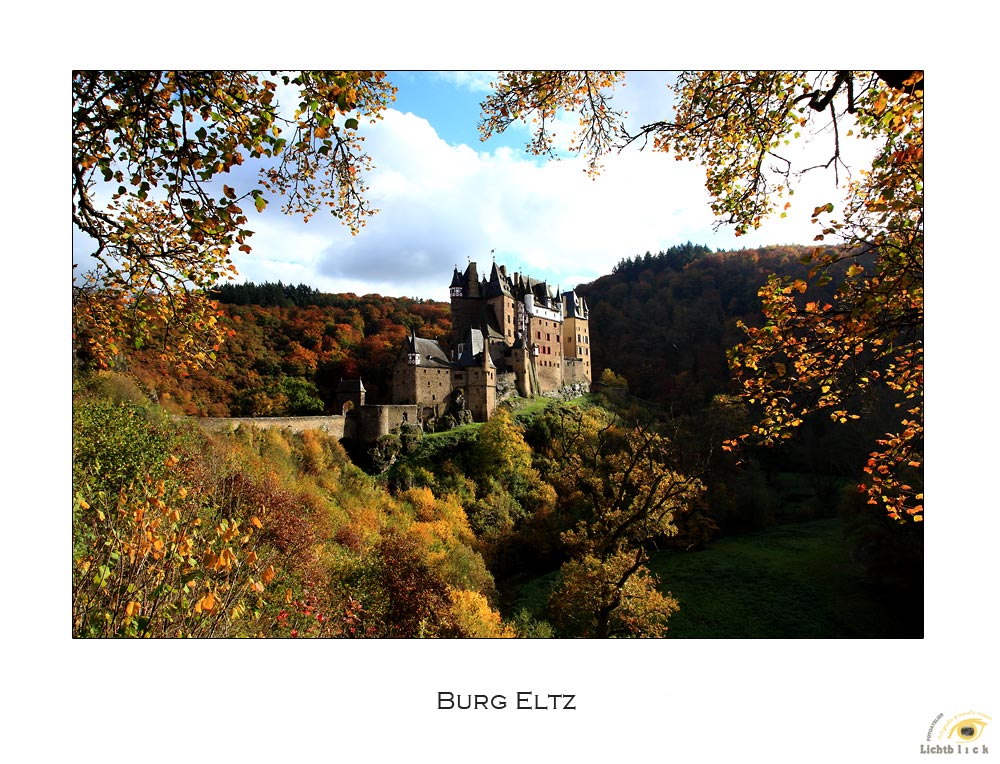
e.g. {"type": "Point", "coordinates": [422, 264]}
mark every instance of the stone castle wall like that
{"type": "Point", "coordinates": [337, 425]}
{"type": "Point", "coordinates": [365, 423]}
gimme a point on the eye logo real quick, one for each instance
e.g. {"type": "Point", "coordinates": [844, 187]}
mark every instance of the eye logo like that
{"type": "Point", "coordinates": [967, 729]}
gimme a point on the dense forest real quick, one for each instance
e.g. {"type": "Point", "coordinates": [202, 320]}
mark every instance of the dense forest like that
{"type": "Point", "coordinates": [286, 350]}
{"type": "Point", "coordinates": [665, 321]}
{"type": "Point", "coordinates": [528, 525]}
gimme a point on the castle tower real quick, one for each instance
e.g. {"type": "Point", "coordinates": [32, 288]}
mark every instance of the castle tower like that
{"type": "Point", "coordinates": [500, 300]}
{"type": "Point", "coordinates": [576, 339]}
{"type": "Point", "coordinates": [510, 330]}
{"type": "Point", "coordinates": [466, 303]}
{"type": "Point", "coordinates": [350, 395]}
{"type": "Point", "coordinates": [422, 375]}
{"type": "Point", "coordinates": [474, 373]}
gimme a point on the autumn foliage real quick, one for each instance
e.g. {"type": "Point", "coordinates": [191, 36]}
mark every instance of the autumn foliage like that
{"type": "Point", "coordinates": [285, 354]}
{"type": "Point", "coordinates": [147, 146]}
{"type": "Point", "coordinates": [813, 353]}
{"type": "Point", "coordinates": [257, 533]}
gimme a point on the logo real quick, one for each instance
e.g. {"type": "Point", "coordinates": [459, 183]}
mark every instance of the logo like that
{"type": "Point", "coordinates": [957, 734]}
{"type": "Point", "coordinates": [967, 729]}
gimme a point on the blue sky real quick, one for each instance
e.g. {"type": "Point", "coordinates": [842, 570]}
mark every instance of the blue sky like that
{"type": "Point", "coordinates": [445, 198]}
{"type": "Point", "coordinates": [450, 101]}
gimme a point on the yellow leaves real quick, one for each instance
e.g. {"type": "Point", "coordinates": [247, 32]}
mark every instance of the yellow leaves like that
{"type": "Point", "coordinates": [227, 531]}
{"type": "Point", "coordinates": [206, 604]}
{"type": "Point", "coordinates": [473, 617]}
{"type": "Point", "coordinates": [268, 575]}
{"type": "Point", "coordinates": [225, 560]}
{"type": "Point", "coordinates": [881, 102]}
{"type": "Point", "coordinates": [256, 523]}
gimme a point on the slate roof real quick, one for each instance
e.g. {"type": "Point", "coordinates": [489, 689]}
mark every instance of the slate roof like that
{"type": "Point", "coordinates": [430, 352]}
{"type": "Point", "coordinates": [498, 284]}
{"type": "Point", "coordinates": [489, 318]}
{"type": "Point", "coordinates": [576, 306]}
{"type": "Point", "coordinates": [472, 350]}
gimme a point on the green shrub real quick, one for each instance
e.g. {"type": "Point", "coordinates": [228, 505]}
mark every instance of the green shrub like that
{"type": "Point", "coordinates": [116, 443]}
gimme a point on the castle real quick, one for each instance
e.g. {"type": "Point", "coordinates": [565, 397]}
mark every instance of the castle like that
{"type": "Point", "coordinates": [509, 333]}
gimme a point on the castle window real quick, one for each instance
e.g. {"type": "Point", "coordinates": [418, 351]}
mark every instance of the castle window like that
{"type": "Point", "coordinates": [456, 291]}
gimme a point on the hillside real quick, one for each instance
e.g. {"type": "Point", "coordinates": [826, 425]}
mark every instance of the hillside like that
{"type": "Point", "coordinates": [665, 321]}
{"type": "Point", "coordinates": [552, 519]}
{"type": "Point", "coordinates": [288, 347]}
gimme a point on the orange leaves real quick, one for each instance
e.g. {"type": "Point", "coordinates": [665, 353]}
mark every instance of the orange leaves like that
{"type": "Point", "coordinates": [206, 604]}
{"type": "Point", "coordinates": [472, 616]}
{"type": "Point", "coordinates": [164, 254]}
{"type": "Point", "coordinates": [139, 568]}
{"type": "Point", "coordinates": [536, 97]}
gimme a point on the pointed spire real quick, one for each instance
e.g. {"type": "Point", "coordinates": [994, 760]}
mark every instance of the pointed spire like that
{"type": "Point", "coordinates": [486, 343]}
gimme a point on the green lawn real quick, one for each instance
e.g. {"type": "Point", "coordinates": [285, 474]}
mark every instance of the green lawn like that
{"type": "Point", "coordinates": [790, 581]}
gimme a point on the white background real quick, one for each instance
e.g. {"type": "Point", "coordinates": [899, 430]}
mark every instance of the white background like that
{"type": "Point", "coordinates": [685, 701]}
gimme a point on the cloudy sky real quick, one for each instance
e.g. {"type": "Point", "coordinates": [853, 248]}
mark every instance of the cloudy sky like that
{"type": "Point", "coordinates": [446, 197]}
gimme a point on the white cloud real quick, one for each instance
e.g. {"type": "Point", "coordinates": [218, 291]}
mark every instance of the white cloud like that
{"type": "Point", "coordinates": [442, 205]}
{"type": "Point", "coordinates": [473, 81]}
